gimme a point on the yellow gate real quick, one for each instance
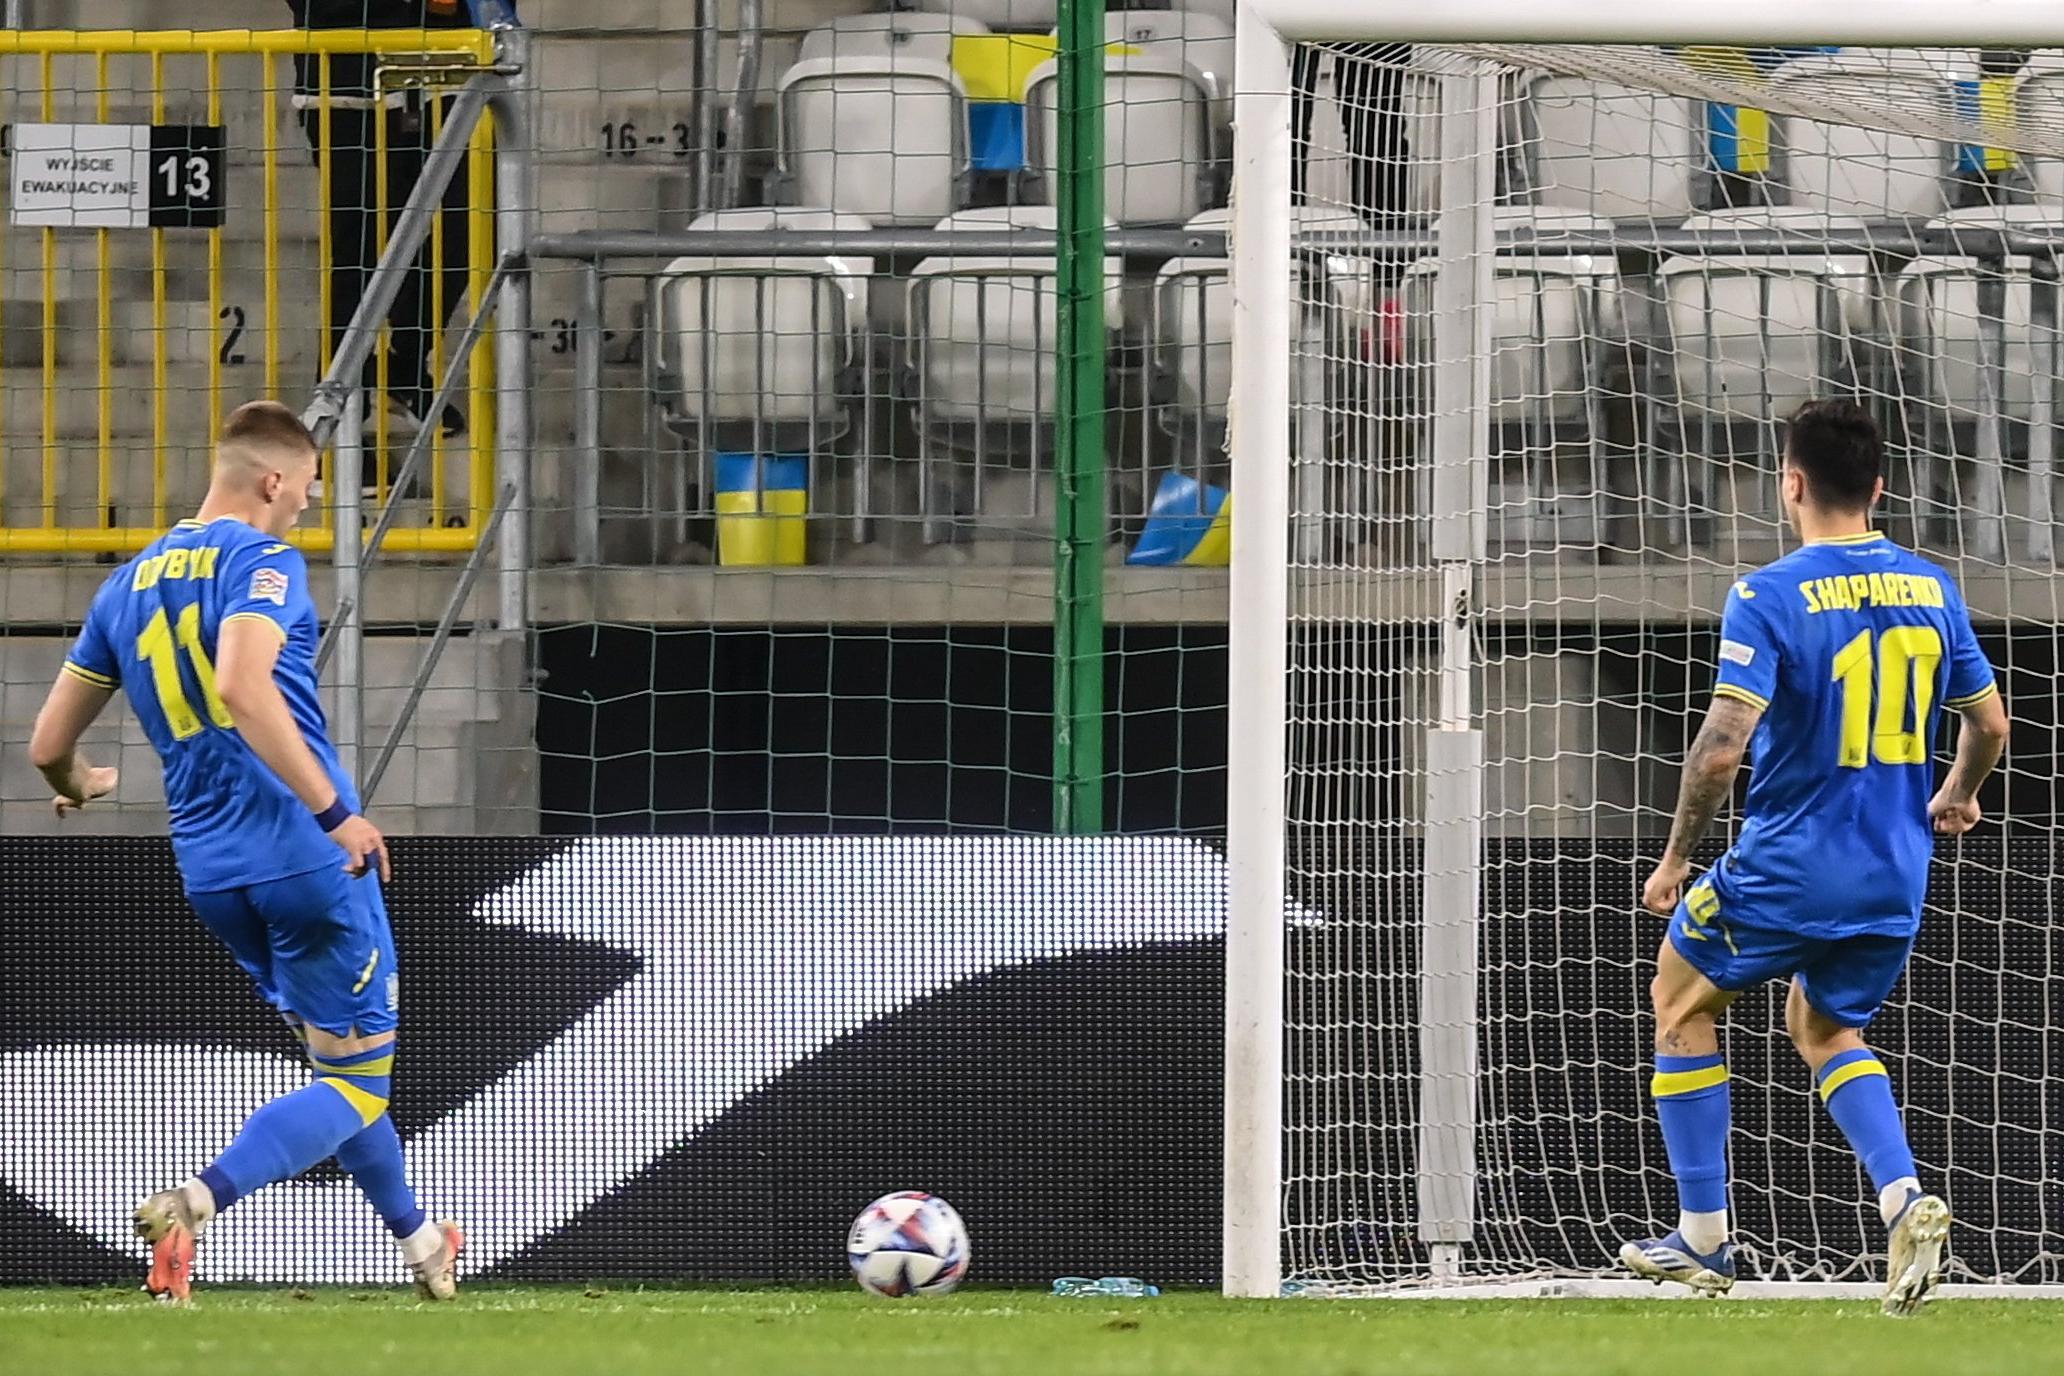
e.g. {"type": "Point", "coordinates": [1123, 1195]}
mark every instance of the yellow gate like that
{"type": "Point", "coordinates": [126, 346]}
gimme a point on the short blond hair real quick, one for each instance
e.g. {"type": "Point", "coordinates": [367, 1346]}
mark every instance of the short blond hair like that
{"type": "Point", "coordinates": [260, 437]}
{"type": "Point", "coordinates": [266, 425]}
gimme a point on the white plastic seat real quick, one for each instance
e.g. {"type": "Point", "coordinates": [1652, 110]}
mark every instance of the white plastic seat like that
{"type": "Point", "coordinates": [983, 327]}
{"type": "Point", "coordinates": [905, 33]}
{"type": "Point", "coordinates": [2039, 104]}
{"type": "Point", "coordinates": [1558, 360]}
{"type": "Point", "coordinates": [1202, 41]}
{"type": "Point", "coordinates": [767, 338]}
{"type": "Point", "coordinates": [1020, 15]}
{"type": "Point", "coordinates": [1843, 169]}
{"type": "Point", "coordinates": [1944, 316]}
{"type": "Point", "coordinates": [1192, 322]}
{"type": "Point", "coordinates": [1750, 337]}
{"type": "Point", "coordinates": [1754, 335]}
{"type": "Point", "coordinates": [1334, 313]}
{"type": "Point", "coordinates": [1608, 150]}
{"type": "Point", "coordinates": [982, 365]}
{"type": "Point", "coordinates": [882, 136]}
{"type": "Point", "coordinates": [1158, 137]}
{"type": "Point", "coordinates": [1555, 316]}
{"type": "Point", "coordinates": [1939, 314]}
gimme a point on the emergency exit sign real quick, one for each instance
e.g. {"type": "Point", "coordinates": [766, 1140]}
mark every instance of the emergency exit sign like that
{"type": "Point", "coordinates": [118, 176]}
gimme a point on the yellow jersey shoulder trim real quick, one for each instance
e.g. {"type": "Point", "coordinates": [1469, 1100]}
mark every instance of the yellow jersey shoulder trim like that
{"type": "Point", "coordinates": [1728, 690]}
{"type": "Point", "coordinates": [280, 630]}
{"type": "Point", "coordinates": [80, 671]}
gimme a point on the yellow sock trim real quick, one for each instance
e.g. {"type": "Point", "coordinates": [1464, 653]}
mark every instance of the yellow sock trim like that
{"type": "Point", "coordinates": [1670, 1083]}
{"type": "Point", "coordinates": [1855, 1070]}
{"type": "Point", "coordinates": [369, 1107]}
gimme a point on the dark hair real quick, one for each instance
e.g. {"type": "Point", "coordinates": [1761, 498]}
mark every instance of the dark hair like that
{"type": "Point", "coordinates": [1836, 445]}
{"type": "Point", "coordinates": [267, 425]}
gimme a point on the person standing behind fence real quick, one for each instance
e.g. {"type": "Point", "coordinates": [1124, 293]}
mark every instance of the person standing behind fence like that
{"type": "Point", "coordinates": [356, 112]}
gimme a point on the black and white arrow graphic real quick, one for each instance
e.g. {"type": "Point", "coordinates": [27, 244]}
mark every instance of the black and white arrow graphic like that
{"type": "Point", "coordinates": [752, 955]}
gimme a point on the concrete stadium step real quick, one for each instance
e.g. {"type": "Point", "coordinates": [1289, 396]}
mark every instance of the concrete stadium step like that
{"type": "Point", "coordinates": [132, 461]}
{"type": "Point", "coordinates": [77, 251]}
{"type": "Point", "coordinates": [76, 275]}
{"type": "Point", "coordinates": [78, 400]}
{"type": "Point", "coordinates": [233, 332]}
{"type": "Point", "coordinates": [590, 88]}
{"type": "Point", "coordinates": [613, 197]}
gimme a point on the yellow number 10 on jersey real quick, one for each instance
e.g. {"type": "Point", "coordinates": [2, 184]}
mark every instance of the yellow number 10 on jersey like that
{"type": "Point", "coordinates": [1906, 660]}
{"type": "Point", "coordinates": [157, 648]}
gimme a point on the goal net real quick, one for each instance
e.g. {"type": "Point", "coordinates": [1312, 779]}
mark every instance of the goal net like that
{"type": "Point", "coordinates": [1549, 305]}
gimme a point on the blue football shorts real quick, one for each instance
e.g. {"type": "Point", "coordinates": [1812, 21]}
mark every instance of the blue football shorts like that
{"type": "Point", "coordinates": [1846, 978]}
{"type": "Point", "coordinates": [317, 944]}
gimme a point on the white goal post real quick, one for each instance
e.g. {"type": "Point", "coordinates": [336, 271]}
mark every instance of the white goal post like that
{"type": "Point", "coordinates": [1395, 991]}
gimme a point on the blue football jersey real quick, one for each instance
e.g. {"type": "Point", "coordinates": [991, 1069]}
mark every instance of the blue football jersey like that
{"type": "Point", "coordinates": [1852, 647]}
{"type": "Point", "coordinates": [153, 631]}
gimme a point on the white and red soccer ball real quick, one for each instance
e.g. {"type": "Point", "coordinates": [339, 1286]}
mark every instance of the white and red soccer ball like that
{"type": "Point", "coordinates": [908, 1243]}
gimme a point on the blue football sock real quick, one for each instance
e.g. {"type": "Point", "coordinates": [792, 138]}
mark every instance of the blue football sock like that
{"type": "Point", "coordinates": [281, 1140]}
{"type": "Point", "coordinates": [1858, 1094]}
{"type": "Point", "coordinates": [373, 1161]}
{"type": "Point", "coordinates": [1691, 1102]}
{"type": "Point", "coordinates": [295, 1131]}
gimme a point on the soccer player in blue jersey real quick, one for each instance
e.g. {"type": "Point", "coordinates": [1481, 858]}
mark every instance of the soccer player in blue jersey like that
{"type": "Point", "coordinates": [1835, 663]}
{"type": "Point", "coordinates": [212, 633]}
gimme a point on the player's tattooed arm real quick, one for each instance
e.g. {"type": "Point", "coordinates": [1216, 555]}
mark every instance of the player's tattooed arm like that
{"type": "Point", "coordinates": [1709, 770]}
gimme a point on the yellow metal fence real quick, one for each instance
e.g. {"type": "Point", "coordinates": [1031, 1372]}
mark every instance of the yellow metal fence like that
{"type": "Point", "coordinates": [110, 388]}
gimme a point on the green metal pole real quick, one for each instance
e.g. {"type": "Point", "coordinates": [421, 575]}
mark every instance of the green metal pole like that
{"type": "Point", "coordinates": [1079, 427]}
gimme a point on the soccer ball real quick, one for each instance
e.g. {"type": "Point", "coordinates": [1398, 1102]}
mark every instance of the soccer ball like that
{"type": "Point", "coordinates": [908, 1243]}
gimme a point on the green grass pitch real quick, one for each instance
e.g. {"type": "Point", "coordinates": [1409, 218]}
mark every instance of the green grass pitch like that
{"type": "Point", "coordinates": [626, 1331]}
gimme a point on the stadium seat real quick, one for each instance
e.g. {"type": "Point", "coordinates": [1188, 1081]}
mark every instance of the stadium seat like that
{"type": "Point", "coordinates": [761, 353]}
{"type": "Point", "coordinates": [1558, 364]}
{"type": "Point", "coordinates": [1842, 169]}
{"type": "Point", "coordinates": [1191, 325]}
{"type": "Point", "coordinates": [905, 33]}
{"type": "Point", "coordinates": [1190, 335]}
{"type": "Point", "coordinates": [1748, 337]}
{"type": "Point", "coordinates": [1201, 40]}
{"type": "Point", "coordinates": [980, 375]}
{"type": "Point", "coordinates": [880, 136]}
{"type": "Point", "coordinates": [1609, 150]}
{"type": "Point", "coordinates": [1000, 15]}
{"type": "Point", "coordinates": [2039, 104]}
{"type": "Point", "coordinates": [1959, 319]}
{"type": "Point", "coordinates": [1160, 147]}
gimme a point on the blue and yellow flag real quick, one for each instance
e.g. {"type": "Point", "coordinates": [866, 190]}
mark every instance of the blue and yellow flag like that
{"type": "Point", "coordinates": [1189, 523]}
{"type": "Point", "coordinates": [762, 500]}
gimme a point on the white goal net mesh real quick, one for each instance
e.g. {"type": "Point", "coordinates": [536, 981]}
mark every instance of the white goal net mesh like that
{"type": "Point", "coordinates": [1690, 243]}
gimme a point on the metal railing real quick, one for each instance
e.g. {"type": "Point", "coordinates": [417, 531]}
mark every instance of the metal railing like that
{"type": "Point", "coordinates": [120, 516]}
{"type": "Point", "coordinates": [1981, 427]}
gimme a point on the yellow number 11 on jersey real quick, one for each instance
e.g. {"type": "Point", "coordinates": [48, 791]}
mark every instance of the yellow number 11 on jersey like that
{"type": "Point", "coordinates": [1906, 660]}
{"type": "Point", "coordinates": [156, 647]}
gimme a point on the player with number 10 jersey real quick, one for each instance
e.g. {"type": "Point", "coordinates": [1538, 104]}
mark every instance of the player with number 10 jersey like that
{"type": "Point", "coordinates": [1835, 665]}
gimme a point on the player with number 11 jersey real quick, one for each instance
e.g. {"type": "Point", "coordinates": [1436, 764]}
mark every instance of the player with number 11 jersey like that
{"type": "Point", "coordinates": [211, 632]}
